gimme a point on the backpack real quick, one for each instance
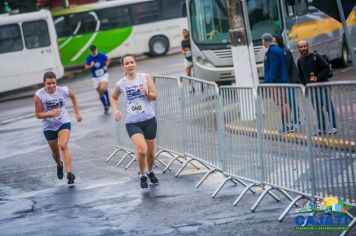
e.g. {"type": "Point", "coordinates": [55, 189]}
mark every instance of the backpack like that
{"type": "Point", "coordinates": [326, 58]}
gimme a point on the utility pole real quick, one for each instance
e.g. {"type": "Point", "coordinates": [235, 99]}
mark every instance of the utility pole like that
{"type": "Point", "coordinates": [241, 45]}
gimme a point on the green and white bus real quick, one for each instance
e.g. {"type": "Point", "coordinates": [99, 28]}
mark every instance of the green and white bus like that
{"type": "Point", "coordinates": [117, 27]}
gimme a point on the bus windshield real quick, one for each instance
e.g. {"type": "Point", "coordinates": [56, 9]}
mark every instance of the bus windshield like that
{"type": "Point", "coordinates": [209, 21]}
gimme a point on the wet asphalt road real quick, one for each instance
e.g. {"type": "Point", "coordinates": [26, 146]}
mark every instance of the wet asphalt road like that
{"type": "Point", "coordinates": [105, 200]}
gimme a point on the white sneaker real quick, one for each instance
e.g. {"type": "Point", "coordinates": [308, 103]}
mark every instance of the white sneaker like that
{"type": "Point", "coordinates": [333, 131]}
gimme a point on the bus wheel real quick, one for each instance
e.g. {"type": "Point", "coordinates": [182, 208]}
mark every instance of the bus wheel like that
{"type": "Point", "coordinates": [158, 46]}
{"type": "Point", "coordinates": [343, 60]}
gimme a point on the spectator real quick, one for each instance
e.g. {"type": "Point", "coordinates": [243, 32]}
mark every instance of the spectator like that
{"type": "Point", "coordinates": [293, 78]}
{"type": "Point", "coordinates": [312, 68]}
{"type": "Point", "coordinates": [187, 51]}
{"type": "Point", "coordinates": [275, 68]}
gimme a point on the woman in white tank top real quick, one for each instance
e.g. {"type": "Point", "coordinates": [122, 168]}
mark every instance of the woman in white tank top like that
{"type": "Point", "coordinates": [139, 93]}
{"type": "Point", "coordinates": [50, 106]}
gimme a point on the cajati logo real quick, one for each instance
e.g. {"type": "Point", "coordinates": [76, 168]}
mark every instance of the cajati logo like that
{"type": "Point", "coordinates": [326, 214]}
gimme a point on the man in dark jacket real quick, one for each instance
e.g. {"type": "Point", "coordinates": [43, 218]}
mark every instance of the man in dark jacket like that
{"type": "Point", "coordinates": [275, 62]}
{"type": "Point", "coordinates": [276, 71]}
{"type": "Point", "coordinates": [293, 78]}
{"type": "Point", "coordinates": [312, 68]}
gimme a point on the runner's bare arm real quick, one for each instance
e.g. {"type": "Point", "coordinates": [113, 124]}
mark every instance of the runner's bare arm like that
{"type": "Point", "coordinates": [73, 98]}
{"type": "Point", "coordinates": [151, 92]}
{"type": "Point", "coordinates": [115, 94]}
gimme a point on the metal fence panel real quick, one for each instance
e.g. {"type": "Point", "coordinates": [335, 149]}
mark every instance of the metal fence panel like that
{"type": "Point", "coordinates": [241, 143]}
{"type": "Point", "coordinates": [200, 100]}
{"type": "Point", "coordinates": [169, 114]}
{"type": "Point", "coordinates": [284, 131]}
{"type": "Point", "coordinates": [332, 107]}
{"type": "Point", "coordinates": [122, 138]}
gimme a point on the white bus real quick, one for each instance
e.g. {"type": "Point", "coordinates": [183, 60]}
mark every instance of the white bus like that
{"type": "Point", "coordinates": [28, 48]}
{"type": "Point", "coordinates": [119, 27]}
{"type": "Point", "coordinates": [294, 19]}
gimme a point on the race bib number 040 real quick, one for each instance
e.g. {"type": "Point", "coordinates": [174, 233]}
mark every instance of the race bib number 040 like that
{"type": "Point", "coordinates": [136, 108]}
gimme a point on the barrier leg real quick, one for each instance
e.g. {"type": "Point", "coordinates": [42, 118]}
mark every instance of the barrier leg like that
{"type": "Point", "coordinates": [182, 168]}
{"type": "Point", "coordinates": [204, 177]}
{"type": "Point", "coordinates": [168, 152]}
{"type": "Point", "coordinates": [244, 184]}
{"type": "Point", "coordinates": [222, 185]}
{"type": "Point", "coordinates": [286, 194]}
{"type": "Point", "coordinates": [123, 158]}
{"type": "Point", "coordinates": [128, 165]}
{"type": "Point", "coordinates": [112, 154]}
{"type": "Point", "coordinates": [261, 198]}
{"type": "Point", "coordinates": [196, 167]}
{"type": "Point", "coordinates": [162, 163]}
{"type": "Point", "coordinates": [289, 207]}
{"type": "Point", "coordinates": [170, 163]}
{"type": "Point", "coordinates": [352, 223]}
{"type": "Point", "coordinates": [243, 194]}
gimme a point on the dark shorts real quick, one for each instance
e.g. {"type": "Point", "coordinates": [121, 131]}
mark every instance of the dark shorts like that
{"type": "Point", "coordinates": [52, 135]}
{"type": "Point", "coordinates": [147, 128]}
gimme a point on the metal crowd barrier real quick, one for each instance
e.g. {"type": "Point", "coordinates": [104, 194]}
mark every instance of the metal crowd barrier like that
{"type": "Point", "coordinates": [287, 137]}
{"type": "Point", "coordinates": [169, 115]}
{"type": "Point", "coordinates": [202, 121]}
{"type": "Point", "coordinates": [123, 141]}
{"type": "Point", "coordinates": [332, 109]}
{"type": "Point", "coordinates": [242, 150]}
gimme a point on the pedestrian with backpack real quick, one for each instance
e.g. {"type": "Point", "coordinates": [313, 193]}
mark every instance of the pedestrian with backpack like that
{"type": "Point", "coordinates": [313, 68]}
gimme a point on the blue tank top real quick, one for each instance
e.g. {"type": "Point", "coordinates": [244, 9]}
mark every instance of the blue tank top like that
{"type": "Point", "coordinates": [138, 107]}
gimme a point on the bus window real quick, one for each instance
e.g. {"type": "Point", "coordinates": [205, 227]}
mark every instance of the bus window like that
{"type": "Point", "coordinates": [10, 38]}
{"type": "Point", "coordinates": [61, 24]}
{"type": "Point", "coordinates": [115, 17]}
{"type": "Point", "coordinates": [301, 7]}
{"type": "Point", "coordinates": [145, 12]}
{"type": "Point", "coordinates": [36, 34]}
{"type": "Point", "coordinates": [209, 23]}
{"type": "Point", "coordinates": [172, 9]}
{"type": "Point", "coordinates": [83, 23]}
{"type": "Point", "coordinates": [264, 16]}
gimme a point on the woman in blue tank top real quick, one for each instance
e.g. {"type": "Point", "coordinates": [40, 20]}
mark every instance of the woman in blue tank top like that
{"type": "Point", "coordinates": [50, 106]}
{"type": "Point", "coordinates": [138, 92]}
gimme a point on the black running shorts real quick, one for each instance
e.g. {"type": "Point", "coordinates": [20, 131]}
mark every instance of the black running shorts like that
{"type": "Point", "coordinates": [147, 128]}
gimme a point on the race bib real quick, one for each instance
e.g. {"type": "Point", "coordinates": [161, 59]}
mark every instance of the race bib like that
{"type": "Point", "coordinates": [188, 53]}
{"type": "Point", "coordinates": [136, 108]}
{"type": "Point", "coordinates": [99, 72]}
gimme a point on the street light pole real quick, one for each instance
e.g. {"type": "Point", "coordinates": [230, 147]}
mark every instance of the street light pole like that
{"type": "Point", "coordinates": [241, 45]}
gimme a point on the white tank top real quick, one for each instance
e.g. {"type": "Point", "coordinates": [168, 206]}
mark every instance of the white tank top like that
{"type": "Point", "coordinates": [138, 107]}
{"type": "Point", "coordinates": [51, 101]}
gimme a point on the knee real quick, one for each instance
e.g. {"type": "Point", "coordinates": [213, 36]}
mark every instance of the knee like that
{"type": "Point", "coordinates": [63, 146]}
{"type": "Point", "coordinates": [141, 150]}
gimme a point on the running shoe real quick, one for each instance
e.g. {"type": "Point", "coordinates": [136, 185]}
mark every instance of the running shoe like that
{"type": "Point", "coordinates": [333, 131]}
{"type": "Point", "coordinates": [143, 183]}
{"type": "Point", "coordinates": [106, 109]}
{"type": "Point", "coordinates": [70, 178]}
{"type": "Point", "coordinates": [60, 171]}
{"type": "Point", "coordinates": [153, 179]}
